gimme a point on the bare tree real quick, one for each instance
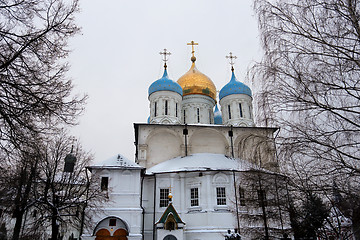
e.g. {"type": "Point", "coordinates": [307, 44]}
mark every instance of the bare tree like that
{"type": "Point", "coordinates": [64, 188]}
{"type": "Point", "coordinates": [17, 185]}
{"type": "Point", "coordinates": [310, 77]}
{"type": "Point", "coordinates": [35, 94]}
{"type": "Point", "coordinates": [42, 191]}
{"type": "Point", "coordinates": [263, 205]}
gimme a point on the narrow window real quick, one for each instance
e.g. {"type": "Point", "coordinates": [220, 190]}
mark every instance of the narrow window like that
{"type": "Point", "coordinates": [155, 109]}
{"type": "Point", "coordinates": [164, 197]}
{"type": "Point", "coordinates": [240, 109]}
{"type": "Point", "coordinates": [176, 110]}
{"type": "Point", "coordinates": [262, 198]}
{"type": "Point", "coordinates": [242, 196]}
{"type": "Point", "coordinates": [166, 107]}
{"type": "Point", "coordinates": [198, 115]}
{"type": "Point", "coordinates": [194, 197]}
{"type": "Point", "coordinates": [229, 110]}
{"type": "Point", "coordinates": [220, 196]}
{"type": "Point", "coordinates": [250, 115]}
{"type": "Point", "coordinates": [184, 117]}
{"type": "Point", "coordinates": [104, 183]}
{"type": "Point", "coordinates": [210, 116]}
{"type": "Point", "coordinates": [112, 222]}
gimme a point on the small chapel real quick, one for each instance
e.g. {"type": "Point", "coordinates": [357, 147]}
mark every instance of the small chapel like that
{"type": "Point", "coordinates": [202, 169]}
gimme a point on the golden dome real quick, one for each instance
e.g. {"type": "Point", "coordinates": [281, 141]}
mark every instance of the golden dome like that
{"type": "Point", "coordinates": [195, 82]}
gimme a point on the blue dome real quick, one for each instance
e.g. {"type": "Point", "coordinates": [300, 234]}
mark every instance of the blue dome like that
{"type": "Point", "coordinates": [217, 116]}
{"type": "Point", "coordinates": [148, 120]}
{"type": "Point", "coordinates": [234, 87]}
{"type": "Point", "coordinates": [165, 84]}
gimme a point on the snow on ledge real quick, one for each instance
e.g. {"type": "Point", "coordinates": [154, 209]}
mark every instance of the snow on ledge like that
{"type": "Point", "coordinates": [202, 162]}
{"type": "Point", "coordinates": [117, 161]}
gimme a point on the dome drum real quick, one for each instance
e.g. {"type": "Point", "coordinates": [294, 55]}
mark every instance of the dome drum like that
{"type": "Point", "coordinates": [198, 109]}
{"type": "Point", "coordinates": [240, 107]}
{"type": "Point", "coordinates": [165, 107]}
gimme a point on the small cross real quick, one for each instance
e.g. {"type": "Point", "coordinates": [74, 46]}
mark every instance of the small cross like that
{"type": "Point", "coordinates": [192, 43]}
{"type": "Point", "coordinates": [166, 54]}
{"type": "Point", "coordinates": [231, 59]}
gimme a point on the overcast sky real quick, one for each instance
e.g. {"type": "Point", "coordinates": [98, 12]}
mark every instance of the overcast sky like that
{"type": "Point", "coordinates": [116, 58]}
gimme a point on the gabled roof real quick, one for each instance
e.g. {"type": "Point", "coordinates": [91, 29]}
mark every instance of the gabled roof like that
{"type": "Point", "coordinates": [170, 210]}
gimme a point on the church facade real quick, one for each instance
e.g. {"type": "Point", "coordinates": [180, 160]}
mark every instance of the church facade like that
{"type": "Point", "coordinates": [198, 172]}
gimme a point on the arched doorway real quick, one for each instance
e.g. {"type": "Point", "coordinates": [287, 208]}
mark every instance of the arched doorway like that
{"type": "Point", "coordinates": [120, 234]}
{"type": "Point", "coordinates": [111, 228]}
{"type": "Point", "coordinates": [104, 234]}
{"type": "Point", "coordinates": [170, 237]}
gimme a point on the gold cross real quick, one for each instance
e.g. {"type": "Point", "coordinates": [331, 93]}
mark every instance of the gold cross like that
{"type": "Point", "coordinates": [192, 43]}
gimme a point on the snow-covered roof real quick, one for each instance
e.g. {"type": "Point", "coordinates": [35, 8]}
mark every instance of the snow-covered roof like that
{"type": "Point", "coordinates": [117, 161]}
{"type": "Point", "coordinates": [202, 162]}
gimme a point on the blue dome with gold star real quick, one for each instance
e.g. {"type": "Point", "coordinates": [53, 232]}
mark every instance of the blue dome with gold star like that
{"type": "Point", "coordinates": [165, 84]}
{"type": "Point", "coordinates": [234, 87]}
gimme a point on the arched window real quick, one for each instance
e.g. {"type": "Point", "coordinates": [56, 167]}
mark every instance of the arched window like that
{"type": "Point", "coordinates": [240, 109]}
{"type": "Point", "coordinates": [166, 107]}
{"type": "Point", "coordinates": [198, 115]}
{"type": "Point", "coordinates": [176, 109]}
{"type": "Point", "coordinates": [155, 109]}
{"type": "Point", "coordinates": [170, 226]}
{"type": "Point", "coordinates": [229, 110]}
{"type": "Point", "coordinates": [170, 223]}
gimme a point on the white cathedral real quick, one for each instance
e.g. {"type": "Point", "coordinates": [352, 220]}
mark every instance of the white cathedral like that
{"type": "Point", "coordinates": [190, 179]}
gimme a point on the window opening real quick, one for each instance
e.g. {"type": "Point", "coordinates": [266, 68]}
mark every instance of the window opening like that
{"type": "Point", "coordinates": [198, 115]}
{"type": "Point", "coordinates": [220, 196]}
{"type": "Point", "coordinates": [166, 107]}
{"type": "Point", "coordinates": [184, 117]}
{"type": "Point", "coordinates": [112, 222]}
{"type": "Point", "coordinates": [155, 109]}
{"type": "Point", "coordinates": [194, 197]}
{"type": "Point", "coordinates": [164, 197]}
{"type": "Point", "coordinates": [250, 115]}
{"type": "Point", "coordinates": [104, 183]}
{"type": "Point", "coordinates": [229, 110]}
{"type": "Point", "coordinates": [176, 109]}
{"type": "Point", "coordinates": [242, 196]}
{"type": "Point", "coordinates": [210, 116]}
{"type": "Point", "coordinates": [240, 109]}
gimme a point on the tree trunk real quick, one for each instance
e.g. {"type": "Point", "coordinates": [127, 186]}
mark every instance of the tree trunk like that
{"type": "Point", "coordinates": [21, 200]}
{"type": "Point", "coordinates": [18, 223]}
{"type": "Point", "coordinates": [356, 223]}
{"type": "Point", "coordinates": [263, 210]}
{"type": "Point", "coordinates": [54, 225]}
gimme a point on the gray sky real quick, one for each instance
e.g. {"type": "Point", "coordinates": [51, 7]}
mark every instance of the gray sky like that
{"type": "Point", "coordinates": [116, 58]}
